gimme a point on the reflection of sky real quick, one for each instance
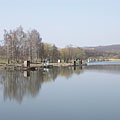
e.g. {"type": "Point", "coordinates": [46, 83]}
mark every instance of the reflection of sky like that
{"type": "Point", "coordinates": [104, 63]}
{"type": "Point", "coordinates": [114, 69]}
{"type": "Point", "coordinates": [17, 85]}
{"type": "Point", "coordinates": [28, 87]}
{"type": "Point", "coordinates": [87, 96]}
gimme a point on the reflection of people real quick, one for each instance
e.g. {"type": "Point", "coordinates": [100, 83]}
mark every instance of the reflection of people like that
{"type": "Point", "coordinates": [74, 62]}
{"type": "Point", "coordinates": [74, 67]}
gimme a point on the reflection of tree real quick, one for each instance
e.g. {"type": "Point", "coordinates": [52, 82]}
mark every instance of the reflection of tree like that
{"type": "Point", "coordinates": [16, 84]}
{"type": "Point", "coordinates": [68, 72]}
{"type": "Point", "coordinates": [50, 75]}
{"type": "Point", "coordinates": [78, 70]}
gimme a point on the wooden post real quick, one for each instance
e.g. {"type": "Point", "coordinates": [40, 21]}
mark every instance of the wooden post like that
{"type": "Point", "coordinates": [74, 62]}
{"type": "Point", "coordinates": [8, 61]}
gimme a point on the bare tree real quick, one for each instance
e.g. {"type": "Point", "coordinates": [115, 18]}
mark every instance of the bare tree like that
{"type": "Point", "coordinates": [34, 44]}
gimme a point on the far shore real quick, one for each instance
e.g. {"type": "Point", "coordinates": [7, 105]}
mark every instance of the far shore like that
{"type": "Point", "coordinates": [15, 66]}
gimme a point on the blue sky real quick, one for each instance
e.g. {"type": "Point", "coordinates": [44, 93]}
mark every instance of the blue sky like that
{"type": "Point", "coordinates": [64, 22]}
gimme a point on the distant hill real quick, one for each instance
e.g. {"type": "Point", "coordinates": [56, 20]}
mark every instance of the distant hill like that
{"type": "Point", "coordinates": [108, 48]}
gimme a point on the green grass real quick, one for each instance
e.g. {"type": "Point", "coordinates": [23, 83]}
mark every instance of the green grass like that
{"type": "Point", "coordinates": [3, 61]}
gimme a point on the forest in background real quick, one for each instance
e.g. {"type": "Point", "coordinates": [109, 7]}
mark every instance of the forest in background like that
{"type": "Point", "coordinates": [19, 45]}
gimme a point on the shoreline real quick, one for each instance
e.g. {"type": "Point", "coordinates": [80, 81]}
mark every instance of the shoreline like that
{"type": "Point", "coordinates": [35, 65]}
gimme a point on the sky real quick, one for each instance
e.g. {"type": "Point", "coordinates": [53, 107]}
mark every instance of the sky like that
{"type": "Point", "coordinates": [64, 22]}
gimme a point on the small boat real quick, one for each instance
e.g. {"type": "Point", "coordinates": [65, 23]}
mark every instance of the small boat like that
{"type": "Point", "coordinates": [29, 68]}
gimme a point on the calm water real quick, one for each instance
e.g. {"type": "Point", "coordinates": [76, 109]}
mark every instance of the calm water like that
{"type": "Point", "coordinates": [90, 93]}
{"type": "Point", "coordinates": [104, 63]}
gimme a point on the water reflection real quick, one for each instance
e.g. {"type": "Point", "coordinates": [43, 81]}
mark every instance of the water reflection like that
{"type": "Point", "coordinates": [105, 68]}
{"type": "Point", "coordinates": [18, 84]}
{"type": "Point", "coordinates": [26, 73]}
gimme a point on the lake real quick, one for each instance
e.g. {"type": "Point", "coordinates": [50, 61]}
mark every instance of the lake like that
{"type": "Point", "coordinates": [104, 63]}
{"type": "Point", "coordinates": [88, 93]}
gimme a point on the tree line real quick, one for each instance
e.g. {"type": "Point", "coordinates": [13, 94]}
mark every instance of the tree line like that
{"type": "Point", "coordinates": [19, 45]}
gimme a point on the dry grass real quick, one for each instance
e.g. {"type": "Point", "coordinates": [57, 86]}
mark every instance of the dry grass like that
{"type": "Point", "coordinates": [113, 59]}
{"type": "Point", "coordinates": [3, 61]}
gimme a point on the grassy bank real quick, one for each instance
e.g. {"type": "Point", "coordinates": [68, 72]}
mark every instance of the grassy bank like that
{"type": "Point", "coordinates": [114, 60]}
{"type": "Point", "coordinates": [3, 61]}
